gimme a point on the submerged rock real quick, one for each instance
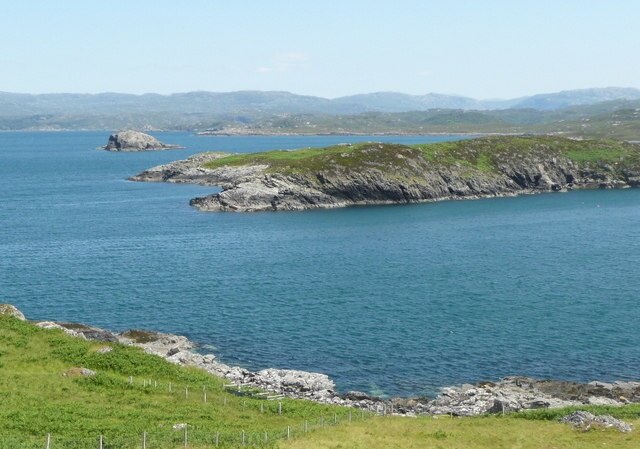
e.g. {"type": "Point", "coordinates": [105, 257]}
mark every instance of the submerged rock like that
{"type": "Point", "coordinates": [135, 141]}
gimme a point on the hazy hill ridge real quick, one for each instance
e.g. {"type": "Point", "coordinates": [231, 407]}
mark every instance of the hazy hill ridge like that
{"type": "Point", "coordinates": [13, 104]}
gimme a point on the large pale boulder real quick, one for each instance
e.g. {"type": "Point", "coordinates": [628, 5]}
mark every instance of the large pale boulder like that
{"type": "Point", "coordinates": [135, 141]}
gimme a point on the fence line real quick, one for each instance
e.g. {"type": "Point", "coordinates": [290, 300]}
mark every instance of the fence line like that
{"type": "Point", "coordinates": [182, 437]}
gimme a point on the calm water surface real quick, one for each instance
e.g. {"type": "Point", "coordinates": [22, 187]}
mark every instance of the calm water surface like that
{"type": "Point", "coordinates": [394, 300]}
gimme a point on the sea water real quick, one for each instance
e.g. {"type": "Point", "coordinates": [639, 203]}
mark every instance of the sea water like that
{"type": "Point", "coordinates": [396, 300]}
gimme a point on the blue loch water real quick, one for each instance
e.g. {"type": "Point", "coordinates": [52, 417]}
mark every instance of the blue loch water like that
{"type": "Point", "coordinates": [396, 300]}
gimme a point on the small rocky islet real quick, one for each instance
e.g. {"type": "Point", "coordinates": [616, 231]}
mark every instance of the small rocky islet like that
{"type": "Point", "coordinates": [130, 141]}
{"type": "Point", "coordinates": [374, 173]}
{"type": "Point", "coordinates": [509, 394]}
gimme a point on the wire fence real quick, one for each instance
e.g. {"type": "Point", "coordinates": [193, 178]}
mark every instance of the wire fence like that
{"type": "Point", "coordinates": [179, 438]}
{"type": "Point", "coordinates": [184, 435]}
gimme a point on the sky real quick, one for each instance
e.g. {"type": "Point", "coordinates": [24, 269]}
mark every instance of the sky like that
{"type": "Point", "coordinates": [482, 49]}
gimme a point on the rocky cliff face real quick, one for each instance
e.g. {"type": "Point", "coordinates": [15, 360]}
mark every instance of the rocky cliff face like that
{"type": "Point", "coordinates": [135, 141]}
{"type": "Point", "coordinates": [394, 174]}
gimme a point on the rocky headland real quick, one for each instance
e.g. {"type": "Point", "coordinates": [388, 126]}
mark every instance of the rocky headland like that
{"type": "Point", "coordinates": [506, 395]}
{"type": "Point", "coordinates": [380, 173]}
{"type": "Point", "coordinates": [136, 141]}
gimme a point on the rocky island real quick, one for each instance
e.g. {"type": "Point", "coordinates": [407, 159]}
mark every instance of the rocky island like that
{"type": "Point", "coordinates": [136, 141]}
{"type": "Point", "coordinates": [382, 173]}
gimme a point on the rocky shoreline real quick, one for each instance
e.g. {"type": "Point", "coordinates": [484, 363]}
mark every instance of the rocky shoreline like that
{"type": "Point", "coordinates": [510, 394]}
{"type": "Point", "coordinates": [379, 174]}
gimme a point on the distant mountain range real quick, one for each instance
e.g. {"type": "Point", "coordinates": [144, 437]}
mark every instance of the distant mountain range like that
{"type": "Point", "coordinates": [273, 102]}
{"type": "Point", "coordinates": [245, 112]}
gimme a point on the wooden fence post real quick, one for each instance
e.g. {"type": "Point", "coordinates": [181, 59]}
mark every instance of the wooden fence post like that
{"type": "Point", "coordinates": [185, 436]}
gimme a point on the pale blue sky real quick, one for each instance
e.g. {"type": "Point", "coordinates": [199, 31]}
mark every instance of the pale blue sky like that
{"type": "Point", "coordinates": [483, 49]}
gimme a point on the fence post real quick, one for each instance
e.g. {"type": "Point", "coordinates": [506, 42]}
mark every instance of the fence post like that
{"type": "Point", "coordinates": [217, 438]}
{"type": "Point", "coordinates": [224, 401]}
{"type": "Point", "coordinates": [130, 379]}
{"type": "Point", "coordinates": [266, 436]}
{"type": "Point", "coordinates": [144, 440]}
{"type": "Point", "coordinates": [279, 408]}
{"type": "Point", "coordinates": [48, 441]}
{"type": "Point", "coordinates": [306, 427]}
{"type": "Point", "coordinates": [100, 441]}
{"type": "Point", "coordinates": [261, 407]}
{"type": "Point", "coordinates": [349, 415]}
{"type": "Point", "coordinates": [185, 436]}
{"type": "Point", "coordinates": [169, 387]}
{"type": "Point", "coordinates": [243, 437]}
{"type": "Point", "coordinates": [186, 392]}
{"type": "Point", "coordinates": [288, 433]}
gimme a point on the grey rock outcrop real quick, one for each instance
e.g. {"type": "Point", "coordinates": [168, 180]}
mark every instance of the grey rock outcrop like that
{"type": "Point", "coordinates": [523, 393]}
{"type": "Point", "coordinates": [585, 421]}
{"type": "Point", "coordinates": [397, 174]}
{"type": "Point", "coordinates": [53, 325]}
{"type": "Point", "coordinates": [90, 332]}
{"type": "Point", "coordinates": [135, 141]}
{"type": "Point", "coordinates": [11, 310]}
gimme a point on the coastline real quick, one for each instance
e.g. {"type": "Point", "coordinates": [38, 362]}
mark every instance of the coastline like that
{"type": "Point", "coordinates": [510, 394]}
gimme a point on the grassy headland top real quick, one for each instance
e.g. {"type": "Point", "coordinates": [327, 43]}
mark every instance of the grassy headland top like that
{"type": "Point", "coordinates": [485, 154]}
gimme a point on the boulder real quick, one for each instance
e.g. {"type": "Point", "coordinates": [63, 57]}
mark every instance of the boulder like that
{"type": "Point", "coordinates": [10, 310]}
{"type": "Point", "coordinates": [79, 372]}
{"type": "Point", "coordinates": [585, 421]}
{"type": "Point", "coordinates": [135, 141]}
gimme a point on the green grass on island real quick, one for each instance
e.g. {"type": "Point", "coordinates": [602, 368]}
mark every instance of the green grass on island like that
{"type": "Point", "coordinates": [483, 154]}
{"type": "Point", "coordinates": [41, 393]}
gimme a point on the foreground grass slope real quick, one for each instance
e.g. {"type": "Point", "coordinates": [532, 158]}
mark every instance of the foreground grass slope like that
{"type": "Point", "coordinates": [492, 432]}
{"type": "Point", "coordinates": [38, 395]}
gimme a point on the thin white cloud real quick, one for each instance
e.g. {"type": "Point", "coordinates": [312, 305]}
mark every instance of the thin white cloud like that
{"type": "Point", "coordinates": [287, 62]}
